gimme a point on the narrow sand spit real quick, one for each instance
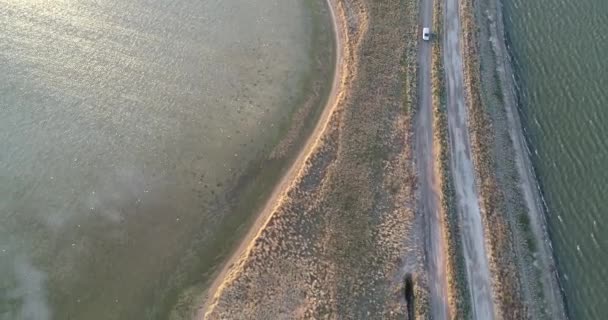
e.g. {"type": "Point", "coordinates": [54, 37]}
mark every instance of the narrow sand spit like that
{"type": "Point", "coordinates": [463, 172]}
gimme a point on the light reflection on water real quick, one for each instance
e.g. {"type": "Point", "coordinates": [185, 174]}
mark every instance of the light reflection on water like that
{"type": "Point", "coordinates": [122, 126]}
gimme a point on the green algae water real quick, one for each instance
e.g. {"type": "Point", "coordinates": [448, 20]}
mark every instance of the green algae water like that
{"type": "Point", "coordinates": [559, 48]}
{"type": "Point", "coordinates": [137, 140]}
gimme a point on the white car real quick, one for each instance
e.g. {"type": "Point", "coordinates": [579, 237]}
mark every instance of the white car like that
{"type": "Point", "coordinates": [426, 34]}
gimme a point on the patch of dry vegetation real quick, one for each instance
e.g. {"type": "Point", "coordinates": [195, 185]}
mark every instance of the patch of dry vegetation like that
{"type": "Point", "coordinates": [507, 290]}
{"type": "Point", "coordinates": [458, 293]}
{"type": "Point", "coordinates": [339, 239]}
{"type": "Point", "coordinates": [421, 294]}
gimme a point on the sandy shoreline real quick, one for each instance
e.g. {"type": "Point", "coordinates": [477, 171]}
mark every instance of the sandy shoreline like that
{"type": "Point", "coordinates": [274, 201]}
{"type": "Point", "coordinates": [529, 186]}
{"type": "Point", "coordinates": [536, 270]}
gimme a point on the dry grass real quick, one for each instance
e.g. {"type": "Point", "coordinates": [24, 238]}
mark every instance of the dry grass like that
{"type": "Point", "coordinates": [421, 294]}
{"type": "Point", "coordinates": [507, 291]}
{"type": "Point", "coordinates": [337, 242]}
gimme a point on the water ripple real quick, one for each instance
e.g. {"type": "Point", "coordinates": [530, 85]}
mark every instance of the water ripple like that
{"type": "Point", "coordinates": [559, 49]}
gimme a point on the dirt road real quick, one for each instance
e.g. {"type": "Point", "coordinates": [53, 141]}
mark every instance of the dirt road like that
{"type": "Point", "coordinates": [476, 263]}
{"type": "Point", "coordinates": [434, 241]}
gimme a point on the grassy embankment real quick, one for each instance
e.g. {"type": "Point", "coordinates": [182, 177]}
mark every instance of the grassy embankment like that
{"type": "Point", "coordinates": [459, 297]}
{"type": "Point", "coordinates": [506, 285]}
{"type": "Point", "coordinates": [335, 242]}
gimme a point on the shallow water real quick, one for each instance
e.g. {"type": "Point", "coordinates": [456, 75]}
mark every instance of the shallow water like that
{"type": "Point", "coordinates": [560, 51]}
{"type": "Point", "coordinates": [129, 131]}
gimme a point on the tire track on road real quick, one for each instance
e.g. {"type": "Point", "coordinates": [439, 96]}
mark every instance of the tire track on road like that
{"type": "Point", "coordinates": [476, 261]}
{"type": "Point", "coordinates": [428, 205]}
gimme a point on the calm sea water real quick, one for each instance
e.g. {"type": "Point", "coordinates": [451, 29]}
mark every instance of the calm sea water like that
{"type": "Point", "coordinates": [560, 51]}
{"type": "Point", "coordinates": [128, 131]}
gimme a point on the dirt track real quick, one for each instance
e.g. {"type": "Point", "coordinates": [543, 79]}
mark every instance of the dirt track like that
{"type": "Point", "coordinates": [478, 273]}
{"type": "Point", "coordinates": [425, 158]}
